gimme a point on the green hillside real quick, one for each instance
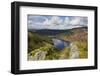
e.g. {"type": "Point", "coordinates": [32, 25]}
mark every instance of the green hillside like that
{"type": "Point", "coordinates": [40, 47]}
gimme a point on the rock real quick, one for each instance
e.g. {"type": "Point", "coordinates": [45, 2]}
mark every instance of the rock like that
{"type": "Point", "coordinates": [39, 56]}
{"type": "Point", "coordinates": [74, 53]}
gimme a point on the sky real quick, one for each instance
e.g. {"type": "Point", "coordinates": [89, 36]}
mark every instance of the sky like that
{"type": "Point", "coordinates": [55, 22]}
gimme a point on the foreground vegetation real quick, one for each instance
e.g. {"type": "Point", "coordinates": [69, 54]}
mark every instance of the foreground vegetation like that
{"type": "Point", "coordinates": [40, 47]}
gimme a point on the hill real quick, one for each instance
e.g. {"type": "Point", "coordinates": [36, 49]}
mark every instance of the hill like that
{"type": "Point", "coordinates": [40, 43]}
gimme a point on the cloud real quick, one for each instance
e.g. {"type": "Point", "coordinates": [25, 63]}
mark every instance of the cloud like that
{"type": "Point", "coordinates": [66, 21]}
{"type": "Point", "coordinates": [79, 21]}
{"type": "Point", "coordinates": [75, 21]}
{"type": "Point", "coordinates": [84, 21]}
{"type": "Point", "coordinates": [53, 23]}
{"type": "Point", "coordinates": [46, 22]}
{"type": "Point", "coordinates": [36, 18]}
{"type": "Point", "coordinates": [56, 22]}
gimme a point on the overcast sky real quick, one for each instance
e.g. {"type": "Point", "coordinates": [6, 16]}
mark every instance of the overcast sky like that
{"type": "Point", "coordinates": [55, 22]}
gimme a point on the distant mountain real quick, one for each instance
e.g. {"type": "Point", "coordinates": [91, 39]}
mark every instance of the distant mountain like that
{"type": "Point", "coordinates": [54, 31]}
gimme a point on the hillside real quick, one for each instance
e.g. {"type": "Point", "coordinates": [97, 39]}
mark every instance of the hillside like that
{"type": "Point", "coordinates": [77, 34]}
{"type": "Point", "coordinates": [41, 46]}
{"type": "Point", "coordinates": [56, 31]}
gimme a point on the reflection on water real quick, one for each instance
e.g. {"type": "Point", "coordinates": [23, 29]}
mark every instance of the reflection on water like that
{"type": "Point", "coordinates": [60, 44]}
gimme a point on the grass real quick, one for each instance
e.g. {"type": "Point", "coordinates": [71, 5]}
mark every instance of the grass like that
{"type": "Point", "coordinates": [52, 52]}
{"type": "Point", "coordinates": [83, 49]}
{"type": "Point", "coordinates": [37, 42]}
{"type": "Point", "coordinates": [65, 53]}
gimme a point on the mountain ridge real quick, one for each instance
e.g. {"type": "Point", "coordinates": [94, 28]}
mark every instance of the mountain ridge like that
{"type": "Point", "coordinates": [54, 32]}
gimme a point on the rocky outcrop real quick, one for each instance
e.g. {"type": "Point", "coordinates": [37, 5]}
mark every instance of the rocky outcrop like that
{"type": "Point", "coordinates": [74, 53]}
{"type": "Point", "coordinates": [38, 56]}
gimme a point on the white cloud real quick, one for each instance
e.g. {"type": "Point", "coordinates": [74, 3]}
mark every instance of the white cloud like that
{"type": "Point", "coordinates": [75, 21]}
{"type": "Point", "coordinates": [46, 22]}
{"type": "Point", "coordinates": [58, 23]}
{"type": "Point", "coordinates": [53, 23]}
{"type": "Point", "coordinates": [66, 21]}
{"type": "Point", "coordinates": [55, 20]}
{"type": "Point", "coordinates": [79, 21]}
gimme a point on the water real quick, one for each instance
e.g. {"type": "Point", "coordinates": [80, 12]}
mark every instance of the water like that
{"type": "Point", "coordinates": [60, 44]}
